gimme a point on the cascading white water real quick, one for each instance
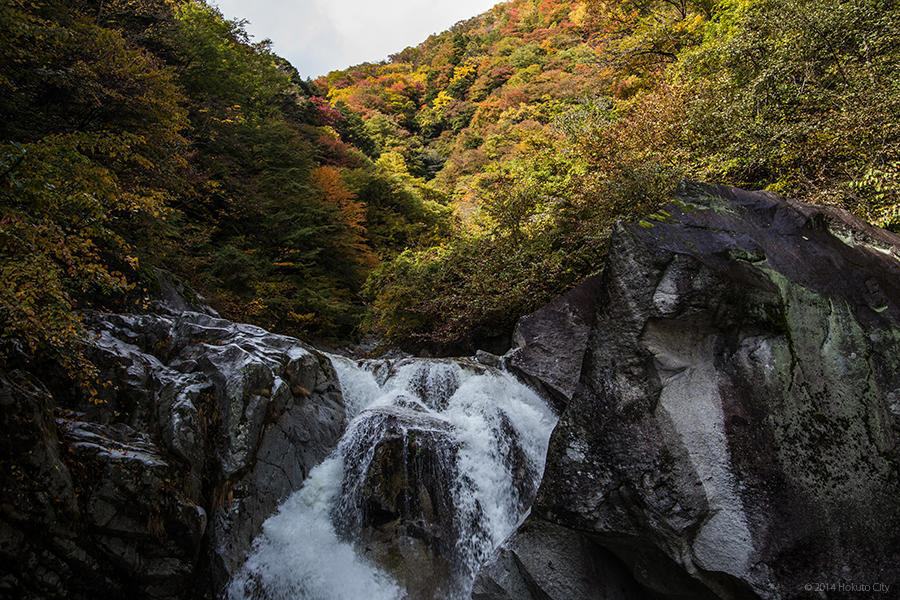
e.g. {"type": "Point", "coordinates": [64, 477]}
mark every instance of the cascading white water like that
{"type": "Point", "coordinates": [487, 438]}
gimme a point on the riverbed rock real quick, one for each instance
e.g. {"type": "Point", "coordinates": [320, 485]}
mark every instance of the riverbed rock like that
{"type": "Point", "coordinates": [157, 485]}
{"type": "Point", "coordinates": [735, 430]}
{"type": "Point", "coordinates": [404, 501]}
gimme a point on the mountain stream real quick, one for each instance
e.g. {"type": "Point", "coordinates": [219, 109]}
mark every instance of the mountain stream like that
{"type": "Point", "coordinates": [439, 463]}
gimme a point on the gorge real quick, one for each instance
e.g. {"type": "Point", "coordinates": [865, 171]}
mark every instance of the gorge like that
{"type": "Point", "coordinates": [458, 324]}
{"type": "Point", "coordinates": [729, 409]}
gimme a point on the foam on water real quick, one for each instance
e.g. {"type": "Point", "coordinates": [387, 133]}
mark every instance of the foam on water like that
{"type": "Point", "coordinates": [499, 431]}
{"type": "Point", "coordinates": [299, 555]}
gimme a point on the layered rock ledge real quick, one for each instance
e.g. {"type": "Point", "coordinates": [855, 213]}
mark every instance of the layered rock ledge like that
{"type": "Point", "coordinates": [157, 488]}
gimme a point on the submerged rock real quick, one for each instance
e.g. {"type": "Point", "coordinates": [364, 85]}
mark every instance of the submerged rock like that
{"type": "Point", "coordinates": [735, 430]}
{"type": "Point", "coordinates": [157, 488]}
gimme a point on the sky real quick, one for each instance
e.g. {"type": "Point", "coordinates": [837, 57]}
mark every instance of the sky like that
{"type": "Point", "coordinates": [318, 36]}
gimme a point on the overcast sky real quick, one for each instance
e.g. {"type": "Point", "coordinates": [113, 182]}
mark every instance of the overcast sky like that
{"type": "Point", "coordinates": [318, 36]}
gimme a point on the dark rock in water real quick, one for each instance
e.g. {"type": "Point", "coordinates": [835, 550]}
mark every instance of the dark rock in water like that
{"type": "Point", "coordinates": [404, 500]}
{"type": "Point", "coordinates": [440, 461]}
{"type": "Point", "coordinates": [735, 430]}
{"type": "Point", "coordinates": [412, 498]}
{"type": "Point", "coordinates": [158, 488]}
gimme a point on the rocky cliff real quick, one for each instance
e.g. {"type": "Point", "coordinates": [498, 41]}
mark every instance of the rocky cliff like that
{"type": "Point", "coordinates": [734, 428]}
{"type": "Point", "coordinates": [729, 391]}
{"type": "Point", "coordinates": [157, 488]}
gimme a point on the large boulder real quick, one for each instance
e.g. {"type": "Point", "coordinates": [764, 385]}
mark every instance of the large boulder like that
{"type": "Point", "coordinates": [88, 509]}
{"type": "Point", "coordinates": [398, 506]}
{"type": "Point", "coordinates": [544, 561]}
{"type": "Point", "coordinates": [157, 486]}
{"type": "Point", "coordinates": [735, 430]}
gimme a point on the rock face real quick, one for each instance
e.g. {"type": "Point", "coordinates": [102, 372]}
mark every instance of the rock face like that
{"type": "Point", "coordinates": [730, 398]}
{"type": "Point", "coordinates": [544, 560]}
{"type": "Point", "coordinates": [549, 344]}
{"type": "Point", "coordinates": [158, 488]}
{"type": "Point", "coordinates": [735, 430]}
{"type": "Point", "coordinates": [402, 506]}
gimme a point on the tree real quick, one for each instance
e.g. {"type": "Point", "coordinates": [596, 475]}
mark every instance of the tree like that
{"type": "Point", "coordinates": [800, 97]}
{"type": "Point", "coordinates": [91, 128]}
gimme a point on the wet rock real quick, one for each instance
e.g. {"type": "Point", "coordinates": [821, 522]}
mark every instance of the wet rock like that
{"type": "Point", "coordinates": [90, 509]}
{"type": "Point", "coordinates": [400, 503]}
{"type": "Point", "coordinates": [488, 359]}
{"type": "Point", "coordinates": [38, 492]}
{"type": "Point", "coordinates": [734, 432]}
{"type": "Point", "coordinates": [139, 522]}
{"type": "Point", "coordinates": [157, 487]}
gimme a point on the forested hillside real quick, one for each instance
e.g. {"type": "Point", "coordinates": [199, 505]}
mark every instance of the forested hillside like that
{"type": "Point", "coordinates": [148, 134]}
{"type": "Point", "coordinates": [427, 200]}
{"type": "Point", "coordinates": [546, 120]}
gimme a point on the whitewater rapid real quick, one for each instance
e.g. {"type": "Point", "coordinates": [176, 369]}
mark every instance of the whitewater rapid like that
{"type": "Point", "coordinates": [494, 432]}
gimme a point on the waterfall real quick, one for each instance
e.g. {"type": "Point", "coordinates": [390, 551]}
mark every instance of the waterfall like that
{"type": "Point", "coordinates": [439, 463]}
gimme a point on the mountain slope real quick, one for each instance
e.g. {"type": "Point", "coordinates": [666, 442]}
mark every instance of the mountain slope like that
{"type": "Point", "coordinates": [545, 121]}
{"type": "Point", "coordinates": [153, 134]}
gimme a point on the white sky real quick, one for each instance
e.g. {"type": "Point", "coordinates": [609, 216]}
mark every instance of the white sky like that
{"type": "Point", "coordinates": [318, 36]}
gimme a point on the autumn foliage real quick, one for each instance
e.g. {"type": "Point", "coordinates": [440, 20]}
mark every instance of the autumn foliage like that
{"type": "Point", "coordinates": [155, 134]}
{"type": "Point", "coordinates": [548, 120]}
{"type": "Point", "coordinates": [432, 198]}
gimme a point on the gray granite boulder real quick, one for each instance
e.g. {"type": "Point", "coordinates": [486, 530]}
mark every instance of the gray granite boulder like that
{"type": "Point", "coordinates": [735, 430]}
